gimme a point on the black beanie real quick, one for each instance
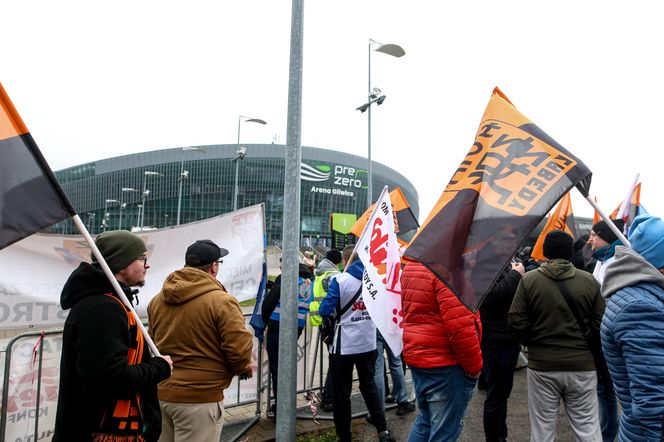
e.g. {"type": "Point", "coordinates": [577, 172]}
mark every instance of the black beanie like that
{"type": "Point", "coordinates": [558, 244]}
{"type": "Point", "coordinates": [602, 230]}
{"type": "Point", "coordinates": [119, 248]}
{"type": "Point", "coordinates": [333, 255]}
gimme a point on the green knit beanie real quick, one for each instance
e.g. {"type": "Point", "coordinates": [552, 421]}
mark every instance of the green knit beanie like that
{"type": "Point", "coordinates": [119, 248]}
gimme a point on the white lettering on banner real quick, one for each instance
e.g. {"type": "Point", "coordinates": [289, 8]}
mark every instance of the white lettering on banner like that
{"type": "Point", "coordinates": [30, 298]}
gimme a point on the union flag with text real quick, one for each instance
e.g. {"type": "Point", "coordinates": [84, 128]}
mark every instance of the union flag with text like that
{"type": "Point", "coordinates": [512, 176]}
{"type": "Point", "coordinates": [31, 198]}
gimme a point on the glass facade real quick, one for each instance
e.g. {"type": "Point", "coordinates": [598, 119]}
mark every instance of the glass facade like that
{"type": "Point", "coordinates": [145, 189]}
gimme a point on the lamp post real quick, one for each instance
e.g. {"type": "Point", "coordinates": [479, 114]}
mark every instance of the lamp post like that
{"type": "Point", "coordinates": [104, 221]}
{"type": "Point", "coordinates": [184, 174]}
{"type": "Point", "coordinates": [145, 194]}
{"type": "Point", "coordinates": [241, 152]}
{"type": "Point", "coordinates": [375, 96]}
{"type": "Point", "coordinates": [123, 205]}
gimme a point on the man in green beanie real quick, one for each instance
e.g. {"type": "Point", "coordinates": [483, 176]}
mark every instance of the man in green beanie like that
{"type": "Point", "coordinates": [108, 380]}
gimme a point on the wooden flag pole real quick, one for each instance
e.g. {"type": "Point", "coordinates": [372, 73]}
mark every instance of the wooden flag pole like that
{"type": "Point", "coordinates": [114, 282]}
{"type": "Point", "coordinates": [608, 222]}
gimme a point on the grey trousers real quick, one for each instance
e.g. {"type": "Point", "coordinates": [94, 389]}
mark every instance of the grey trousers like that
{"type": "Point", "coordinates": [578, 391]}
{"type": "Point", "coordinates": [191, 422]}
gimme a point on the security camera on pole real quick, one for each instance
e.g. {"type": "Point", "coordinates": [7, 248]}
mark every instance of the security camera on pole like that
{"type": "Point", "coordinates": [375, 96]}
{"type": "Point", "coordinates": [241, 152]}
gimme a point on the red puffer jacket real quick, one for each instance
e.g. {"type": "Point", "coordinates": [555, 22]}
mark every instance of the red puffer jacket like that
{"type": "Point", "coordinates": [438, 331]}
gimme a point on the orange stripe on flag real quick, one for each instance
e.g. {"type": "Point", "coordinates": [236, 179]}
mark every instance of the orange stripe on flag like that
{"type": "Point", "coordinates": [11, 124]}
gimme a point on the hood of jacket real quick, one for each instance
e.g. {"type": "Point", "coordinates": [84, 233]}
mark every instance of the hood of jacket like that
{"type": "Point", "coordinates": [628, 269]}
{"type": "Point", "coordinates": [88, 280]}
{"type": "Point", "coordinates": [356, 269]}
{"type": "Point", "coordinates": [326, 266]}
{"type": "Point", "coordinates": [188, 283]}
{"type": "Point", "coordinates": [558, 269]}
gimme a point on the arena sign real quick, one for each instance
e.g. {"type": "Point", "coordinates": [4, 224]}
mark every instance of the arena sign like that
{"type": "Point", "coordinates": [345, 180]}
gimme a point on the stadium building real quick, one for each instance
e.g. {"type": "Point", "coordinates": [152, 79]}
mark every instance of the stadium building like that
{"type": "Point", "coordinates": [159, 188]}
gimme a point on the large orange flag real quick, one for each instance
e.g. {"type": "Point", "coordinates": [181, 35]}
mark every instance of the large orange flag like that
{"type": "Point", "coordinates": [404, 222]}
{"type": "Point", "coordinates": [562, 219]}
{"type": "Point", "coordinates": [512, 176]}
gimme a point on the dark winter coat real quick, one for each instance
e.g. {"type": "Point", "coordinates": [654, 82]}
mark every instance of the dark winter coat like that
{"type": "Point", "coordinates": [494, 308]}
{"type": "Point", "coordinates": [94, 369]}
{"type": "Point", "coordinates": [541, 319]}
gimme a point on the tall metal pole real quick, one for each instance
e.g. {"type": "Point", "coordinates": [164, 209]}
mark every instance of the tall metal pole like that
{"type": "Point", "coordinates": [287, 382]}
{"type": "Point", "coordinates": [370, 169]}
{"type": "Point", "coordinates": [145, 184]}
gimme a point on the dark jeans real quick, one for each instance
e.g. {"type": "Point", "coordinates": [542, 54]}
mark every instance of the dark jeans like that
{"type": "Point", "coordinates": [328, 390]}
{"type": "Point", "coordinates": [499, 365]}
{"type": "Point", "coordinates": [343, 381]}
{"type": "Point", "coordinates": [608, 410]}
{"type": "Point", "coordinates": [272, 347]}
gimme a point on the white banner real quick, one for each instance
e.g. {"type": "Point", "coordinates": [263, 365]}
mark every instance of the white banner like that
{"type": "Point", "coordinates": [35, 269]}
{"type": "Point", "coordinates": [378, 249]}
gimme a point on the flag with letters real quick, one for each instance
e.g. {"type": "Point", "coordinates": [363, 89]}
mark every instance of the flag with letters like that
{"type": "Point", "coordinates": [378, 249]}
{"type": "Point", "coordinates": [561, 219]}
{"type": "Point", "coordinates": [31, 198]}
{"type": "Point", "coordinates": [512, 176]}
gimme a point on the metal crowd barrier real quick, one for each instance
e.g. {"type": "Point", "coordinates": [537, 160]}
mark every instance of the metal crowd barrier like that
{"type": "Point", "coordinates": [232, 430]}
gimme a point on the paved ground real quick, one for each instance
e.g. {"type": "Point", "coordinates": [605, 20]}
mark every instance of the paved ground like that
{"type": "Point", "coordinates": [517, 421]}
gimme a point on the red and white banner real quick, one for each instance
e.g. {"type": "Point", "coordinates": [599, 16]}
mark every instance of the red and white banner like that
{"type": "Point", "coordinates": [378, 249]}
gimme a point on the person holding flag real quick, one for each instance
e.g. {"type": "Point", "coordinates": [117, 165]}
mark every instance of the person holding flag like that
{"type": "Point", "coordinates": [108, 380]}
{"type": "Point", "coordinates": [354, 346]}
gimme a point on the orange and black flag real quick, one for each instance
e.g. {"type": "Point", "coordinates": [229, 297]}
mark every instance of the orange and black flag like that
{"type": "Point", "coordinates": [562, 219]}
{"type": "Point", "coordinates": [404, 219]}
{"type": "Point", "coordinates": [31, 198]}
{"type": "Point", "coordinates": [512, 176]}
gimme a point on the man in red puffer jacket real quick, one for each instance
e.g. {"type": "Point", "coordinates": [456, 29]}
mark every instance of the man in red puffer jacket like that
{"type": "Point", "coordinates": [441, 345]}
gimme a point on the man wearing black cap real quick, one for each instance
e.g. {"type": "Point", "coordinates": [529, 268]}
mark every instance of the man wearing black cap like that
{"type": "Point", "coordinates": [603, 242]}
{"type": "Point", "coordinates": [108, 380]}
{"type": "Point", "coordinates": [560, 363]}
{"type": "Point", "coordinates": [196, 321]}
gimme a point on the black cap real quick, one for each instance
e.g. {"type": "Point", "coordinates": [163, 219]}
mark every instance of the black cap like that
{"type": "Point", "coordinates": [334, 256]}
{"type": "Point", "coordinates": [203, 252]}
{"type": "Point", "coordinates": [558, 244]}
{"type": "Point", "coordinates": [602, 230]}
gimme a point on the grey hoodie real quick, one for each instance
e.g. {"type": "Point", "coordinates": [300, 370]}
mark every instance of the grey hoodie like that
{"type": "Point", "coordinates": [628, 269]}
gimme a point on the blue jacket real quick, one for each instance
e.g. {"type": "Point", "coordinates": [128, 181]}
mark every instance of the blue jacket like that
{"type": "Point", "coordinates": [633, 343]}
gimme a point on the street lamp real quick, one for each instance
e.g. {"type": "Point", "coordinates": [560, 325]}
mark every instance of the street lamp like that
{"type": "Point", "coordinates": [104, 221]}
{"type": "Point", "coordinates": [145, 194]}
{"type": "Point", "coordinates": [375, 96]}
{"type": "Point", "coordinates": [123, 205]}
{"type": "Point", "coordinates": [184, 174]}
{"type": "Point", "coordinates": [241, 152]}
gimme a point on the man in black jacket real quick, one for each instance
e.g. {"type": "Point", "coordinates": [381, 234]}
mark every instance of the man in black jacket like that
{"type": "Point", "coordinates": [500, 350]}
{"type": "Point", "coordinates": [108, 381]}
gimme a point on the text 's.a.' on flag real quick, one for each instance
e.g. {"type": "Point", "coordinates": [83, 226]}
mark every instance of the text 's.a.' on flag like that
{"type": "Point", "coordinates": [512, 176]}
{"type": "Point", "coordinates": [30, 197]}
{"type": "Point", "coordinates": [378, 249]}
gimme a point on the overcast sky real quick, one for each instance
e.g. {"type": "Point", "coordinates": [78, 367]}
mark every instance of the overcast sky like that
{"type": "Point", "coordinates": [94, 80]}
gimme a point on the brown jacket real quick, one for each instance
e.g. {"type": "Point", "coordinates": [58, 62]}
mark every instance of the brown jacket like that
{"type": "Point", "coordinates": [201, 327]}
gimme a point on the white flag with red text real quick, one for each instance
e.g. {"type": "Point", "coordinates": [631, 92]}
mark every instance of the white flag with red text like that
{"type": "Point", "coordinates": [378, 249]}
